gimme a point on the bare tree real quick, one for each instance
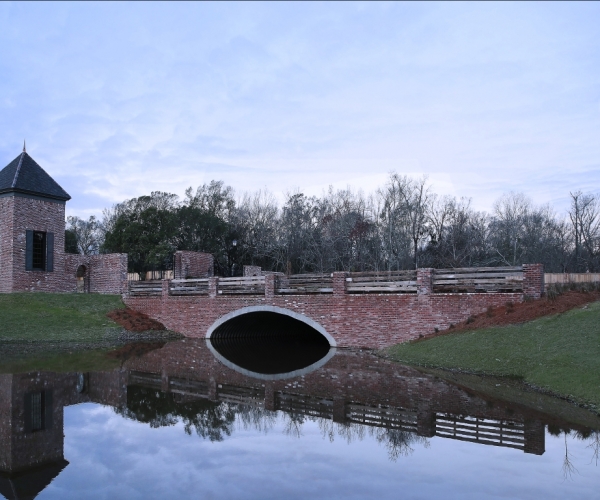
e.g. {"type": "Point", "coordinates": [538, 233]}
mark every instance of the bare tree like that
{"type": "Point", "coordinates": [87, 233]}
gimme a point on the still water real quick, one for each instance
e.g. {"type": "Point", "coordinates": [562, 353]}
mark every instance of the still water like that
{"type": "Point", "coordinates": [265, 419]}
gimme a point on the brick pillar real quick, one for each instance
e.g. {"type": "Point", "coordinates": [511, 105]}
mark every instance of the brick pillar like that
{"type": "Point", "coordinates": [270, 283]}
{"type": "Point", "coordinates": [425, 421]}
{"type": "Point", "coordinates": [424, 281]}
{"type": "Point", "coordinates": [213, 286]}
{"type": "Point", "coordinates": [533, 280]}
{"type": "Point", "coordinates": [339, 283]}
{"type": "Point", "coordinates": [269, 397]}
{"type": "Point", "coordinates": [535, 437]}
{"type": "Point", "coordinates": [165, 288]}
{"type": "Point", "coordinates": [339, 410]}
{"type": "Point", "coordinates": [124, 287]}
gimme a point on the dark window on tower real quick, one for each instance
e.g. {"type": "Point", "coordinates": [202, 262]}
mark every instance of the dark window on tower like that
{"type": "Point", "coordinates": [39, 250]}
{"type": "Point", "coordinates": [38, 411]}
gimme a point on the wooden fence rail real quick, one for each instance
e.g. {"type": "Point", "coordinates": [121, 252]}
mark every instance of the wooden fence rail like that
{"type": "Point", "coordinates": [145, 288]}
{"type": "Point", "coordinates": [299, 284]}
{"type": "Point", "coordinates": [478, 280]}
{"type": "Point", "coordinates": [564, 278]}
{"type": "Point", "coordinates": [189, 287]}
{"type": "Point", "coordinates": [246, 285]}
{"type": "Point", "coordinates": [382, 282]}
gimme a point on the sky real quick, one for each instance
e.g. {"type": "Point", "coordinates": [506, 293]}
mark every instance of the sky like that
{"type": "Point", "coordinates": [117, 100]}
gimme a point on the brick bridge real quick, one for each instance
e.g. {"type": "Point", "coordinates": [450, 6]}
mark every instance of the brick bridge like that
{"type": "Point", "coordinates": [372, 310]}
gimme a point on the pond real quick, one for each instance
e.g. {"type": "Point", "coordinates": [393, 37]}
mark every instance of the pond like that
{"type": "Point", "coordinates": [259, 418]}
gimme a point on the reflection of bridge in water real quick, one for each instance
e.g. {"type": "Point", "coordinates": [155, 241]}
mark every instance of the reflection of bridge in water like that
{"type": "Point", "coordinates": [351, 389]}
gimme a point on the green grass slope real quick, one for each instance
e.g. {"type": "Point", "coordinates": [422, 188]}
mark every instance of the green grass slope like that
{"type": "Point", "coordinates": [558, 353]}
{"type": "Point", "coordinates": [56, 317]}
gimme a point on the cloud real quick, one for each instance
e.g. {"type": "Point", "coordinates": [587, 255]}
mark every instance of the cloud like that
{"type": "Point", "coordinates": [117, 100]}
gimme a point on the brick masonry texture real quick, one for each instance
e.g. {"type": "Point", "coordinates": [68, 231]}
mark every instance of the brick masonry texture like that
{"type": "Point", "coordinates": [193, 265]}
{"type": "Point", "coordinates": [370, 320]}
{"type": "Point", "coordinates": [104, 273]}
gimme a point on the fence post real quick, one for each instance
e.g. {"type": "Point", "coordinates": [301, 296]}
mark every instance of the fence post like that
{"type": "Point", "coordinates": [533, 280]}
{"type": "Point", "coordinates": [270, 282]}
{"type": "Point", "coordinates": [424, 281]}
{"type": "Point", "coordinates": [339, 283]}
{"type": "Point", "coordinates": [213, 286]}
{"type": "Point", "coordinates": [165, 288]}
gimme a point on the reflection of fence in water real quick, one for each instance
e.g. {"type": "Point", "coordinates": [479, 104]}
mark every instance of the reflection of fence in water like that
{"type": "Point", "coordinates": [188, 387]}
{"type": "Point", "coordinates": [148, 380]}
{"type": "Point", "coordinates": [241, 395]}
{"type": "Point", "coordinates": [382, 416]}
{"type": "Point", "coordinates": [478, 430]}
{"type": "Point", "coordinates": [306, 405]}
{"type": "Point", "coordinates": [503, 433]}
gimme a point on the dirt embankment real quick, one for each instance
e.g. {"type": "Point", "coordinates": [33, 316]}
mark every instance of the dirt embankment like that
{"type": "Point", "coordinates": [510, 314]}
{"type": "Point", "coordinates": [134, 321]}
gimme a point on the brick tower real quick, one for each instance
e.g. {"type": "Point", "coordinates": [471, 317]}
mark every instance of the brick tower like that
{"type": "Point", "coordinates": [32, 228]}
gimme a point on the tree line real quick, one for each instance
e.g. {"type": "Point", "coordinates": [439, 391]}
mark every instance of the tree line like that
{"type": "Point", "coordinates": [403, 225]}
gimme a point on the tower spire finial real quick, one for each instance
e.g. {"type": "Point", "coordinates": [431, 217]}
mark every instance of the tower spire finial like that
{"type": "Point", "coordinates": [24, 150]}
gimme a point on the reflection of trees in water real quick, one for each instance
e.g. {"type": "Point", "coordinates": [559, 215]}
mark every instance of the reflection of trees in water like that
{"type": "Point", "coordinates": [568, 468]}
{"type": "Point", "coordinates": [210, 420]}
{"type": "Point", "coordinates": [256, 418]}
{"type": "Point", "coordinates": [595, 445]}
{"type": "Point", "coordinates": [397, 441]}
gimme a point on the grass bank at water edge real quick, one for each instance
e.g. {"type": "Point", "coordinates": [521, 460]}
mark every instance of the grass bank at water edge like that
{"type": "Point", "coordinates": [57, 317]}
{"type": "Point", "coordinates": [559, 353]}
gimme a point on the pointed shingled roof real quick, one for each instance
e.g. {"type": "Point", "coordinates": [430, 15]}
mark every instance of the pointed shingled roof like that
{"type": "Point", "coordinates": [24, 175]}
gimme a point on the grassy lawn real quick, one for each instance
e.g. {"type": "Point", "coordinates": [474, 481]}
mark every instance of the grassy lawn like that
{"type": "Point", "coordinates": [34, 317]}
{"type": "Point", "coordinates": [558, 353]}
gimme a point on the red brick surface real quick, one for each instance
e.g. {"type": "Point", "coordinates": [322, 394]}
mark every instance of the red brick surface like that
{"type": "Point", "coordinates": [104, 273]}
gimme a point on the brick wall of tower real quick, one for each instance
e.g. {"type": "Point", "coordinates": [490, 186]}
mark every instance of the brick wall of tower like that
{"type": "Point", "coordinates": [104, 273]}
{"type": "Point", "coordinates": [37, 215]}
{"type": "Point", "coordinates": [6, 238]}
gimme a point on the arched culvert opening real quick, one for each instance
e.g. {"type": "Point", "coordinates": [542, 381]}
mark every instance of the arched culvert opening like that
{"type": "Point", "coordinates": [269, 345]}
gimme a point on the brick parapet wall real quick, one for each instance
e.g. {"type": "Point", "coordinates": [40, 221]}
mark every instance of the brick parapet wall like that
{"type": "Point", "coordinates": [339, 284]}
{"type": "Point", "coordinates": [193, 265]}
{"type": "Point", "coordinates": [374, 320]}
{"type": "Point", "coordinates": [533, 280]}
{"type": "Point", "coordinates": [424, 281]}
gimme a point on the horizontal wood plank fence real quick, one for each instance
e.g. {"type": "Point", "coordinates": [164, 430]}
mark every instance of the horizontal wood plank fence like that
{"type": "Point", "coordinates": [299, 284]}
{"type": "Point", "coordinates": [565, 278]}
{"type": "Point", "coordinates": [382, 282]}
{"type": "Point", "coordinates": [459, 280]}
{"type": "Point", "coordinates": [189, 287]}
{"type": "Point", "coordinates": [145, 288]}
{"type": "Point", "coordinates": [246, 285]}
{"type": "Point", "coordinates": [478, 280]}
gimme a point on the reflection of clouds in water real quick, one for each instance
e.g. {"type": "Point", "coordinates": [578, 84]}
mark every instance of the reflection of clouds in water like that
{"type": "Point", "coordinates": [112, 457]}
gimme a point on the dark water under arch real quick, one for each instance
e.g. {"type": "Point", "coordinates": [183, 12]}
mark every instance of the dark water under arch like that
{"type": "Point", "coordinates": [269, 343]}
